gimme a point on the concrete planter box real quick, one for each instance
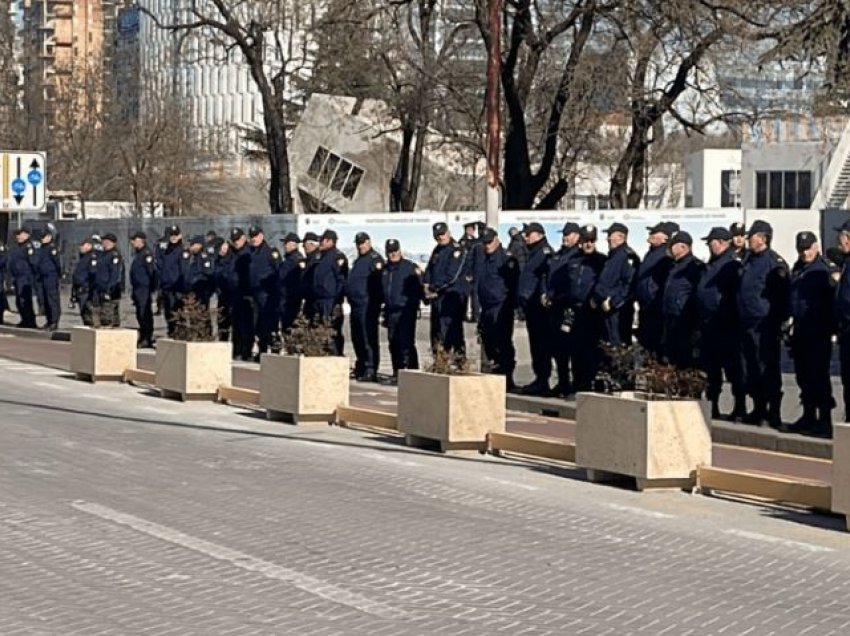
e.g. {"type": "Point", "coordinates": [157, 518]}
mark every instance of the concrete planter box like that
{"type": "Point", "coordinates": [303, 389]}
{"type": "Point", "coordinates": [102, 354]}
{"type": "Point", "coordinates": [658, 442]}
{"type": "Point", "coordinates": [841, 470]}
{"type": "Point", "coordinates": [192, 370]}
{"type": "Point", "coordinates": [454, 411]}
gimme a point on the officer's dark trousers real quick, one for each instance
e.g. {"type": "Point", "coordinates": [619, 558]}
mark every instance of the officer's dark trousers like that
{"type": "Point", "coordinates": [144, 314]}
{"type": "Point", "coordinates": [497, 334]}
{"type": "Point", "coordinates": [761, 351]}
{"type": "Point", "coordinates": [3, 302]}
{"type": "Point", "coordinates": [172, 301]}
{"type": "Point", "coordinates": [618, 326]}
{"type": "Point", "coordinates": [583, 347]}
{"type": "Point", "coordinates": [562, 343]}
{"type": "Point", "coordinates": [539, 326]}
{"type": "Point", "coordinates": [364, 338]}
{"type": "Point", "coordinates": [242, 312]}
{"type": "Point", "coordinates": [23, 300]}
{"type": "Point", "coordinates": [650, 330]}
{"type": "Point", "coordinates": [38, 288]}
{"type": "Point", "coordinates": [330, 313]}
{"type": "Point", "coordinates": [474, 305]}
{"type": "Point", "coordinates": [844, 359]}
{"type": "Point", "coordinates": [720, 353]}
{"type": "Point", "coordinates": [52, 302]}
{"type": "Point", "coordinates": [811, 347]}
{"type": "Point", "coordinates": [265, 319]}
{"type": "Point", "coordinates": [447, 322]}
{"type": "Point", "coordinates": [288, 310]}
{"type": "Point", "coordinates": [401, 332]}
{"type": "Point", "coordinates": [84, 302]}
{"type": "Point", "coordinates": [678, 341]}
{"type": "Point", "coordinates": [224, 316]}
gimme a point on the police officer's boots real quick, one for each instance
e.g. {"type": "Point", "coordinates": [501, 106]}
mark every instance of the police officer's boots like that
{"type": "Point", "coordinates": [715, 409]}
{"type": "Point", "coordinates": [739, 412]}
{"type": "Point", "coordinates": [774, 415]}
{"type": "Point", "coordinates": [806, 422]}
{"type": "Point", "coordinates": [757, 416]}
{"type": "Point", "coordinates": [823, 426]}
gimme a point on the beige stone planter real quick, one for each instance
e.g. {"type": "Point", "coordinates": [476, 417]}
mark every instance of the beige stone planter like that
{"type": "Point", "coordinates": [658, 442]}
{"type": "Point", "coordinates": [192, 370]}
{"type": "Point", "coordinates": [102, 354]}
{"type": "Point", "coordinates": [841, 470]}
{"type": "Point", "coordinates": [454, 411]}
{"type": "Point", "coordinates": [300, 389]}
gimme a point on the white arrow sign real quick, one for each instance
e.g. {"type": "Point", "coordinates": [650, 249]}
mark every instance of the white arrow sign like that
{"type": "Point", "coordinates": [23, 182]}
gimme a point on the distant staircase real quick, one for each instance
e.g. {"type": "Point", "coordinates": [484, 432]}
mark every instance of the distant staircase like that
{"type": "Point", "coordinates": [835, 183]}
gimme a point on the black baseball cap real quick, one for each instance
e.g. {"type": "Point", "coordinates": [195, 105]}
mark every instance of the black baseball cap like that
{"type": "Point", "coordinates": [805, 240]}
{"type": "Point", "coordinates": [471, 224]}
{"type": "Point", "coordinates": [311, 236]}
{"type": "Point", "coordinates": [533, 227]}
{"type": "Point", "coordinates": [85, 240]}
{"type": "Point", "coordinates": [617, 227]}
{"type": "Point", "coordinates": [290, 237]}
{"type": "Point", "coordinates": [329, 234]}
{"type": "Point", "coordinates": [361, 237]}
{"type": "Point", "coordinates": [439, 229]}
{"type": "Point", "coordinates": [197, 240]}
{"type": "Point", "coordinates": [110, 237]}
{"type": "Point", "coordinates": [760, 227]}
{"type": "Point", "coordinates": [571, 228]}
{"type": "Point", "coordinates": [211, 235]}
{"type": "Point", "coordinates": [844, 227]}
{"type": "Point", "coordinates": [21, 230]}
{"type": "Point", "coordinates": [587, 233]}
{"type": "Point", "coordinates": [236, 234]}
{"type": "Point", "coordinates": [489, 235]}
{"type": "Point", "coordinates": [681, 237]}
{"type": "Point", "coordinates": [392, 245]}
{"type": "Point", "coordinates": [172, 230]}
{"type": "Point", "coordinates": [738, 229]}
{"type": "Point", "coordinates": [718, 233]}
{"type": "Point", "coordinates": [665, 227]}
{"type": "Point", "coordinates": [254, 230]}
{"type": "Point", "coordinates": [139, 235]}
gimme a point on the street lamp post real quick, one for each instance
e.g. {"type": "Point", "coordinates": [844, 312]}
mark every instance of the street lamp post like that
{"type": "Point", "coordinates": [494, 68]}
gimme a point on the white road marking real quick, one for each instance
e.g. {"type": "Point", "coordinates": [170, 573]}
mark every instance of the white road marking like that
{"type": "Point", "coordinates": [513, 484]}
{"type": "Point", "coordinates": [304, 582]}
{"type": "Point", "coordinates": [757, 536]}
{"type": "Point", "coordinates": [51, 386]}
{"type": "Point", "coordinates": [640, 511]}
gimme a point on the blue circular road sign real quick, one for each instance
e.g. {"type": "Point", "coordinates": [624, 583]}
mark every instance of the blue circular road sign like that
{"type": "Point", "coordinates": [19, 186]}
{"type": "Point", "coordinates": [34, 177]}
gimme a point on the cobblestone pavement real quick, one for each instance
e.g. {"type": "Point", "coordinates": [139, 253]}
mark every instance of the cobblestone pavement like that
{"type": "Point", "coordinates": [121, 513]}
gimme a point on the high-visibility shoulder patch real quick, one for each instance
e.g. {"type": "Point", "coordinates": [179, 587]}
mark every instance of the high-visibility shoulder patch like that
{"type": "Point", "coordinates": [340, 261]}
{"type": "Point", "coordinates": [302, 264]}
{"type": "Point", "coordinates": [115, 260]}
{"type": "Point", "coordinates": [456, 254]}
{"type": "Point", "coordinates": [379, 265]}
{"type": "Point", "coordinates": [186, 254]}
{"type": "Point", "coordinates": [148, 259]}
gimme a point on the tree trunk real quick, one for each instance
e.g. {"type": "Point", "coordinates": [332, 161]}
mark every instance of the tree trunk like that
{"type": "Point", "coordinates": [401, 176]}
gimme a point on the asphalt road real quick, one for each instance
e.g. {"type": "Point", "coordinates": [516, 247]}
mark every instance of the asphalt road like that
{"type": "Point", "coordinates": [122, 513]}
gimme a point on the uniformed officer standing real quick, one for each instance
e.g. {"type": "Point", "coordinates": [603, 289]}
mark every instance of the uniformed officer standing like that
{"type": "Point", "coordinates": [264, 289]}
{"type": "Point", "coordinates": [582, 322]}
{"type": "Point", "coordinates": [311, 258]}
{"type": "Point", "coordinates": [22, 272]}
{"type": "Point", "coordinates": [108, 285]}
{"type": "Point", "coordinates": [842, 313]}
{"type": "Point", "coordinates": [82, 280]}
{"type": "Point", "coordinates": [199, 278]}
{"type": "Point", "coordinates": [763, 308]}
{"type": "Point", "coordinates": [401, 282]}
{"type": "Point", "coordinates": [517, 247]}
{"type": "Point", "coordinates": [289, 281]}
{"type": "Point", "coordinates": [739, 240]}
{"type": "Point", "coordinates": [242, 300]}
{"type": "Point", "coordinates": [364, 292]}
{"type": "Point", "coordinates": [4, 261]}
{"type": "Point", "coordinates": [49, 270]}
{"type": "Point", "coordinates": [329, 275]}
{"type": "Point", "coordinates": [614, 293]}
{"type": "Point", "coordinates": [495, 277]}
{"type": "Point", "coordinates": [719, 347]}
{"type": "Point", "coordinates": [812, 302]}
{"type": "Point", "coordinates": [557, 295]}
{"type": "Point", "coordinates": [226, 288]}
{"type": "Point", "coordinates": [531, 295]}
{"type": "Point", "coordinates": [170, 269]}
{"type": "Point", "coordinates": [679, 303]}
{"type": "Point", "coordinates": [144, 284]}
{"type": "Point", "coordinates": [472, 244]}
{"type": "Point", "coordinates": [447, 288]}
{"type": "Point", "coordinates": [649, 287]}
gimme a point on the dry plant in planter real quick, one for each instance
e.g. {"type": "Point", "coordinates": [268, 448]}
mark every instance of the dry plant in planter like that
{"type": "Point", "coordinates": [312, 339]}
{"type": "Point", "coordinates": [633, 368]}
{"type": "Point", "coordinates": [193, 321]}
{"type": "Point", "coordinates": [449, 362]}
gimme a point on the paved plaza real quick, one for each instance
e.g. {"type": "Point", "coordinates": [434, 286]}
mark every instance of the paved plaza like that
{"type": "Point", "coordinates": [122, 513]}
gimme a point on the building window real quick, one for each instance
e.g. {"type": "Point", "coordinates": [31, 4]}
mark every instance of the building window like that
{"type": "Point", "coordinates": [789, 190]}
{"type": "Point", "coordinates": [730, 189]}
{"type": "Point", "coordinates": [335, 173]}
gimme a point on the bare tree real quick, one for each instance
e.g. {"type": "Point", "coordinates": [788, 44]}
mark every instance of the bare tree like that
{"type": "Point", "coordinates": [9, 108]}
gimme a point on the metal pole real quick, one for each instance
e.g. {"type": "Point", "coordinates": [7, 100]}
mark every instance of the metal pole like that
{"type": "Point", "coordinates": [494, 71]}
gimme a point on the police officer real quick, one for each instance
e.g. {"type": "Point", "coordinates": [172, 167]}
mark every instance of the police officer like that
{"type": "Point", "coordinates": [517, 247]}
{"type": "Point", "coordinates": [226, 289]}
{"type": "Point", "coordinates": [82, 280]}
{"type": "Point", "coordinates": [289, 276]}
{"type": "Point", "coordinates": [108, 284]}
{"type": "Point", "coordinates": [842, 312]}
{"type": "Point", "coordinates": [363, 289]}
{"type": "Point", "coordinates": [531, 295]}
{"type": "Point", "coordinates": [199, 279]}
{"type": "Point", "coordinates": [614, 293]}
{"type": "Point", "coordinates": [471, 242]}
{"type": "Point", "coordinates": [169, 265]}
{"type": "Point", "coordinates": [812, 300]}
{"type": "Point", "coordinates": [495, 277]}
{"type": "Point", "coordinates": [679, 304]}
{"type": "Point", "coordinates": [4, 261]}
{"type": "Point", "coordinates": [143, 283]}
{"type": "Point", "coordinates": [582, 323]}
{"type": "Point", "coordinates": [401, 283]}
{"type": "Point", "coordinates": [447, 288]}
{"type": "Point", "coordinates": [763, 308]}
{"type": "Point", "coordinates": [311, 257]}
{"type": "Point", "coordinates": [49, 272]}
{"type": "Point", "coordinates": [719, 347]}
{"type": "Point", "coordinates": [328, 289]}
{"type": "Point", "coordinates": [739, 240]}
{"type": "Point", "coordinates": [649, 286]}
{"type": "Point", "coordinates": [264, 289]}
{"type": "Point", "coordinates": [211, 244]}
{"type": "Point", "coordinates": [22, 271]}
{"type": "Point", "coordinates": [242, 299]}
{"type": "Point", "coordinates": [557, 293]}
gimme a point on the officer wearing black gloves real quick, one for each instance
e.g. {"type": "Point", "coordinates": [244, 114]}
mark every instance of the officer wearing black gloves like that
{"type": "Point", "coordinates": [614, 293]}
{"type": "Point", "coordinates": [401, 282]}
{"type": "Point", "coordinates": [447, 289]}
{"type": "Point", "coordinates": [364, 292]}
{"type": "Point", "coordinates": [144, 284]}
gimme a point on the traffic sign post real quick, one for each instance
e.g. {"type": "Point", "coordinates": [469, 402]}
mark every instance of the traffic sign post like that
{"type": "Point", "coordinates": [23, 182]}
